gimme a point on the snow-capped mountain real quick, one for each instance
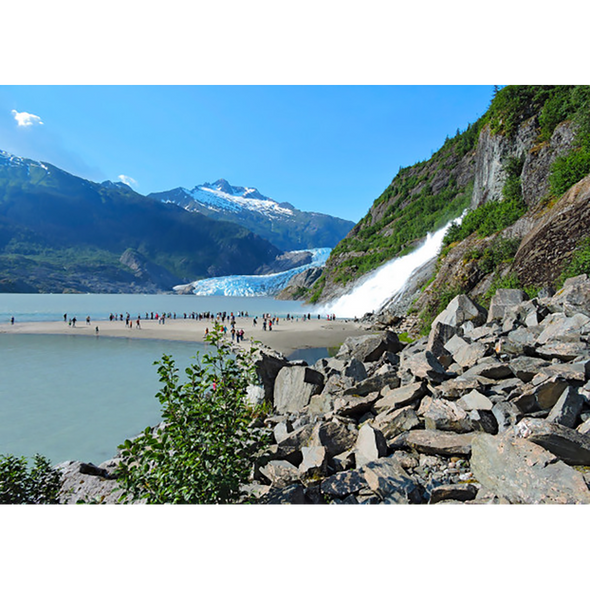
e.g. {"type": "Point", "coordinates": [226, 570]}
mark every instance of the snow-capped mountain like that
{"type": "Point", "coordinates": [252, 285]}
{"type": "Point", "coordinates": [281, 224]}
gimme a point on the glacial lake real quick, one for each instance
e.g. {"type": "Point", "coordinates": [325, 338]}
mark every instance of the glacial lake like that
{"type": "Point", "coordinates": [72, 398]}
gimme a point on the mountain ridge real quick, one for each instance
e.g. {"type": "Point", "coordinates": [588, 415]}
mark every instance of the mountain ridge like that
{"type": "Point", "coordinates": [282, 224]}
{"type": "Point", "coordinates": [60, 232]}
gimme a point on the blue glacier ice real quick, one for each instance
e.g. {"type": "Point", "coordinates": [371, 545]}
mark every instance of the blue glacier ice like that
{"type": "Point", "coordinates": [254, 285]}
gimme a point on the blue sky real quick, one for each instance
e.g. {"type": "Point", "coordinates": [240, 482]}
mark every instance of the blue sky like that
{"type": "Point", "coordinates": [331, 149]}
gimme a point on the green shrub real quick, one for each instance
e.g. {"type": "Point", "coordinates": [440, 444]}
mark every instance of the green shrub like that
{"type": "Point", "coordinates": [579, 264]}
{"type": "Point", "coordinates": [204, 452]}
{"type": "Point", "coordinates": [21, 483]}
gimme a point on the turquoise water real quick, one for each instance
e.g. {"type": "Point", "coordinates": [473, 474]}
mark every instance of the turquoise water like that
{"type": "Point", "coordinates": [75, 398]}
{"type": "Point", "coordinates": [71, 398]}
{"type": "Point", "coordinates": [46, 307]}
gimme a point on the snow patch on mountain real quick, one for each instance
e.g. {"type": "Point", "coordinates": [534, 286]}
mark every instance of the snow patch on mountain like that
{"type": "Point", "coordinates": [253, 285]}
{"type": "Point", "coordinates": [223, 196]}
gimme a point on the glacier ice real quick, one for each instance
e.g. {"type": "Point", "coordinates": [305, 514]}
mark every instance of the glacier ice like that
{"type": "Point", "coordinates": [253, 285]}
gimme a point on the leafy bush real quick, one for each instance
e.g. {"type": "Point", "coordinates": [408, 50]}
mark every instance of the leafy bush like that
{"type": "Point", "coordinates": [579, 264]}
{"type": "Point", "coordinates": [569, 169]}
{"type": "Point", "coordinates": [21, 483]}
{"type": "Point", "coordinates": [203, 453]}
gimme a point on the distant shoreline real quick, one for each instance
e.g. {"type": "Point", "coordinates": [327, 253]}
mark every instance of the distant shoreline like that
{"type": "Point", "coordinates": [286, 337]}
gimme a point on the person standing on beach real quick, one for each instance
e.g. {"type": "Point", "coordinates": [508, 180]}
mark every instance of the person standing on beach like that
{"type": "Point", "coordinates": [12, 320]}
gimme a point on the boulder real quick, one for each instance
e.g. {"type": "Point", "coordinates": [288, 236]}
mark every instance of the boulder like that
{"type": "Point", "coordinates": [400, 396]}
{"type": "Point", "coordinates": [394, 422]}
{"type": "Point", "coordinates": [434, 442]}
{"type": "Point", "coordinates": [84, 482]}
{"type": "Point", "coordinates": [268, 363]}
{"type": "Point", "coordinates": [573, 298]}
{"type": "Point", "coordinates": [567, 408]}
{"type": "Point", "coordinates": [280, 473]}
{"type": "Point", "coordinates": [462, 492]}
{"type": "Point", "coordinates": [562, 351]}
{"type": "Point", "coordinates": [294, 387]}
{"type": "Point", "coordinates": [441, 414]}
{"type": "Point", "coordinates": [370, 445]}
{"type": "Point", "coordinates": [524, 473]}
{"type": "Point", "coordinates": [448, 323]}
{"type": "Point", "coordinates": [475, 401]}
{"type": "Point", "coordinates": [424, 365]}
{"type": "Point", "coordinates": [354, 405]}
{"type": "Point", "coordinates": [334, 436]}
{"type": "Point", "coordinates": [563, 328]}
{"type": "Point", "coordinates": [469, 355]}
{"type": "Point", "coordinates": [390, 481]}
{"type": "Point", "coordinates": [344, 483]}
{"type": "Point", "coordinates": [374, 383]}
{"type": "Point", "coordinates": [507, 414]}
{"type": "Point", "coordinates": [503, 301]}
{"type": "Point", "coordinates": [293, 494]}
{"type": "Point", "coordinates": [490, 368]}
{"type": "Point", "coordinates": [369, 348]}
{"type": "Point", "coordinates": [542, 396]}
{"type": "Point", "coordinates": [526, 367]}
{"type": "Point", "coordinates": [314, 462]}
{"type": "Point", "coordinates": [565, 443]}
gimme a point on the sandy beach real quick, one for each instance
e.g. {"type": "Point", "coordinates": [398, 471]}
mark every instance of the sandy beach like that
{"type": "Point", "coordinates": [285, 337]}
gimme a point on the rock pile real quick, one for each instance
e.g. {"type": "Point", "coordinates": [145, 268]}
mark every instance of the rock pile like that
{"type": "Point", "coordinates": [492, 407]}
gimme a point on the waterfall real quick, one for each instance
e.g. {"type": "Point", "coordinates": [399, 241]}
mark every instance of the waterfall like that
{"type": "Point", "coordinates": [378, 286]}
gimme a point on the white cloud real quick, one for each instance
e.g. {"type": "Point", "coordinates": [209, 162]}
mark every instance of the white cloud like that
{"type": "Point", "coordinates": [26, 119]}
{"type": "Point", "coordinates": [128, 180]}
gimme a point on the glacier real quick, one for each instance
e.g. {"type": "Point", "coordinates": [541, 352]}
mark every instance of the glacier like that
{"type": "Point", "coordinates": [253, 285]}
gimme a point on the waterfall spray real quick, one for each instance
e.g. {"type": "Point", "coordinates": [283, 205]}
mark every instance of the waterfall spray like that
{"type": "Point", "coordinates": [374, 289]}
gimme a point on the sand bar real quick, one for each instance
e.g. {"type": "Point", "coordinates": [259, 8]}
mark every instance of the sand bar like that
{"type": "Point", "coordinates": [285, 337]}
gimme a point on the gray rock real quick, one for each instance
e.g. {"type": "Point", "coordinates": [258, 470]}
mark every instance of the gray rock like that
{"type": "Point", "coordinates": [526, 367]}
{"type": "Point", "coordinates": [524, 473]}
{"type": "Point", "coordinates": [282, 430]}
{"type": "Point", "coordinates": [584, 428]}
{"type": "Point", "coordinates": [369, 348]}
{"type": "Point", "coordinates": [469, 355]}
{"type": "Point", "coordinates": [335, 436]}
{"type": "Point", "coordinates": [463, 492]}
{"type": "Point", "coordinates": [344, 483]}
{"type": "Point", "coordinates": [400, 396]}
{"type": "Point", "coordinates": [268, 363]}
{"type": "Point", "coordinates": [374, 383]}
{"type": "Point", "coordinates": [293, 494]}
{"type": "Point", "coordinates": [370, 445]}
{"type": "Point", "coordinates": [315, 461]}
{"type": "Point", "coordinates": [389, 480]}
{"type": "Point", "coordinates": [456, 388]}
{"type": "Point", "coordinates": [81, 483]}
{"type": "Point", "coordinates": [433, 442]}
{"type": "Point", "coordinates": [560, 327]}
{"type": "Point", "coordinates": [455, 344]}
{"type": "Point", "coordinates": [448, 323]}
{"type": "Point", "coordinates": [491, 368]}
{"type": "Point", "coordinates": [294, 387]}
{"type": "Point", "coordinates": [567, 408]}
{"type": "Point", "coordinates": [507, 414]}
{"type": "Point", "coordinates": [573, 298]}
{"type": "Point", "coordinates": [502, 301]}
{"type": "Point", "coordinates": [474, 401]}
{"type": "Point", "coordinates": [441, 414]}
{"type": "Point", "coordinates": [565, 443]}
{"type": "Point", "coordinates": [280, 473]}
{"type": "Point", "coordinates": [354, 405]}
{"type": "Point", "coordinates": [542, 396]}
{"type": "Point", "coordinates": [255, 395]}
{"type": "Point", "coordinates": [424, 365]}
{"type": "Point", "coordinates": [396, 421]}
{"type": "Point", "coordinates": [563, 351]}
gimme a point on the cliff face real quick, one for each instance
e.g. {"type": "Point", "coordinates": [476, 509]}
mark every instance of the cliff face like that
{"type": "Point", "coordinates": [495, 150]}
